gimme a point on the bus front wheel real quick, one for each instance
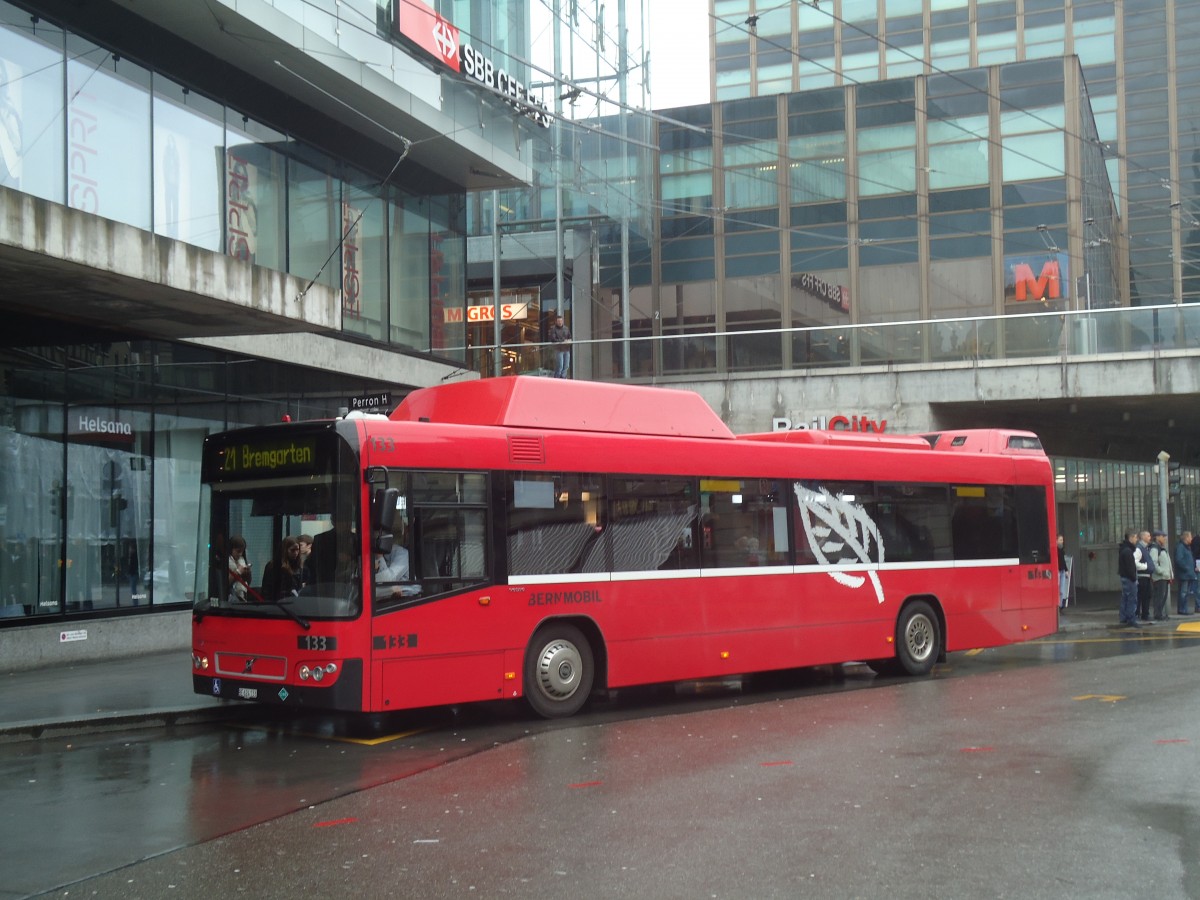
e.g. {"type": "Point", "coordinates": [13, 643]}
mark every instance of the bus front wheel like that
{"type": "Point", "coordinates": [559, 670]}
{"type": "Point", "coordinates": [918, 638]}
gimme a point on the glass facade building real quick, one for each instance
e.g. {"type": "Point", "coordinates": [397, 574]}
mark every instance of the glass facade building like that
{"type": "Point", "coordinates": [145, 120]}
{"type": "Point", "coordinates": [1139, 64]}
{"type": "Point", "coordinates": [796, 230]}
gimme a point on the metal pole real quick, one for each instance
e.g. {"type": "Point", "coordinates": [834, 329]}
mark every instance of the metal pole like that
{"type": "Point", "coordinates": [497, 369]}
{"type": "Point", "coordinates": [1163, 488]}
{"type": "Point", "coordinates": [623, 91]}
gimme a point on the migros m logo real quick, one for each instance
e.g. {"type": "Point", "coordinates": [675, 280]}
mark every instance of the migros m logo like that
{"type": "Point", "coordinates": [1022, 284]}
{"type": "Point", "coordinates": [1046, 286]}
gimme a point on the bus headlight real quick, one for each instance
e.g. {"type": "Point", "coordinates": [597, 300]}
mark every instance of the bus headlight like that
{"type": "Point", "coordinates": [199, 661]}
{"type": "Point", "coordinates": [316, 672]}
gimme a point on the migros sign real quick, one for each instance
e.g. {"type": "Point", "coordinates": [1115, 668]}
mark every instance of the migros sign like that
{"type": "Point", "coordinates": [1029, 278]}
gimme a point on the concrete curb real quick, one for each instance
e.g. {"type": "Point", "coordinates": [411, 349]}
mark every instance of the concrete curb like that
{"type": "Point", "coordinates": [68, 726]}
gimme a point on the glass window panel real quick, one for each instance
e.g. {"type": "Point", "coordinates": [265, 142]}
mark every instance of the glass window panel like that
{"type": "Point", "coordinates": [688, 304]}
{"type": "Point", "coordinates": [189, 137]}
{"type": "Point", "coordinates": [652, 525]}
{"type": "Point", "coordinates": [952, 200]}
{"type": "Point", "coordinates": [957, 129]}
{"type": "Point", "coordinates": [695, 159]}
{"type": "Point", "coordinates": [817, 145]}
{"type": "Point", "coordinates": [742, 266]}
{"type": "Point", "coordinates": [835, 257]}
{"type": "Point", "coordinates": [905, 68]}
{"type": "Point", "coordinates": [890, 293]}
{"type": "Point", "coordinates": [108, 134]}
{"type": "Point", "coordinates": [743, 523]}
{"type": "Point", "coordinates": [677, 187]}
{"type": "Point", "coordinates": [314, 198]}
{"type": "Point", "coordinates": [944, 224]}
{"type": "Point", "coordinates": [448, 276]}
{"type": "Point", "coordinates": [859, 10]}
{"type": "Point", "coordinates": [696, 248]}
{"type": "Point", "coordinates": [696, 270]}
{"type": "Point", "coordinates": [814, 236]}
{"type": "Point", "coordinates": [958, 165]}
{"type": "Point", "coordinates": [409, 301]}
{"type": "Point", "coordinates": [887, 254]}
{"type": "Point", "coordinates": [813, 75]}
{"type": "Point", "coordinates": [813, 180]}
{"type": "Point", "coordinates": [997, 57]}
{"type": "Point", "coordinates": [887, 207]}
{"type": "Point", "coordinates": [886, 173]}
{"type": "Point", "coordinates": [1096, 50]}
{"type": "Point", "coordinates": [760, 241]}
{"type": "Point", "coordinates": [255, 197]}
{"type": "Point", "coordinates": [888, 229]}
{"type": "Point", "coordinates": [552, 520]}
{"type": "Point", "coordinates": [816, 213]}
{"type": "Point", "coordinates": [31, 99]}
{"type": "Point", "coordinates": [871, 117]}
{"type": "Point", "coordinates": [960, 247]}
{"type": "Point", "coordinates": [1022, 121]}
{"type": "Point", "coordinates": [859, 62]}
{"type": "Point", "coordinates": [748, 188]}
{"type": "Point", "coordinates": [1036, 156]}
{"type": "Point", "coordinates": [364, 262]}
{"type": "Point", "coordinates": [870, 139]}
{"type": "Point", "coordinates": [751, 154]}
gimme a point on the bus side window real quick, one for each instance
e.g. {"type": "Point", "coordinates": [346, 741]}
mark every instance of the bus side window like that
{"type": "Point", "coordinates": [743, 523]}
{"type": "Point", "coordinates": [449, 530]}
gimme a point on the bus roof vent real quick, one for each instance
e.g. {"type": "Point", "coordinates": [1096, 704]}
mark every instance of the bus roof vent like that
{"type": "Point", "coordinates": [558, 404]}
{"type": "Point", "coordinates": [526, 449]}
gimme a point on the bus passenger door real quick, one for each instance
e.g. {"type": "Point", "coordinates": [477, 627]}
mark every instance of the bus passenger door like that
{"type": "Point", "coordinates": [1038, 581]}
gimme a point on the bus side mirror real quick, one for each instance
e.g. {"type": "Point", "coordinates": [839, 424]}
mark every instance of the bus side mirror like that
{"type": "Point", "coordinates": [383, 509]}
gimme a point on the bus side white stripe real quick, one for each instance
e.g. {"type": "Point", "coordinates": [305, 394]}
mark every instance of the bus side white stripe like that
{"type": "Point", "coordinates": [742, 571]}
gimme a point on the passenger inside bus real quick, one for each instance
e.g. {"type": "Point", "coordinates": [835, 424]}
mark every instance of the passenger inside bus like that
{"type": "Point", "coordinates": [392, 576]}
{"type": "Point", "coordinates": [283, 577]}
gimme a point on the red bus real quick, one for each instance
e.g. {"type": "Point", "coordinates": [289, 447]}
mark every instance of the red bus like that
{"type": "Point", "coordinates": [543, 538]}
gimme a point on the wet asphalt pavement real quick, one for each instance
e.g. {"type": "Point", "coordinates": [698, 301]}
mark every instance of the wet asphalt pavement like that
{"type": "Point", "coordinates": [1044, 781]}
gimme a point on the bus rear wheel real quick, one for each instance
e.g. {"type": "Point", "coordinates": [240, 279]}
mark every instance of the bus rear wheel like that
{"type": "Point", "coordinates": [559, 670]}
{"type": "Point", "coordinates": [918, 638]}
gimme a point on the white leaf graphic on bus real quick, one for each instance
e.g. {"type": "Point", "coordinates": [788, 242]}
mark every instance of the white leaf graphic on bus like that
{"type": "Point", "coordinates": [839, 532]}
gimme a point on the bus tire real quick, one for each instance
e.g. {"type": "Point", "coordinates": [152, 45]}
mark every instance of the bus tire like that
{"type": "Point", "coordinates": [918, 638]}
{"type": "Point", "coordinates": [559, 670]}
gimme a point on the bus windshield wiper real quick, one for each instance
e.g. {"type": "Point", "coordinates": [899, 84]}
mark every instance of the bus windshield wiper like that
{"type": "Point", "coordinates": [285, 605]}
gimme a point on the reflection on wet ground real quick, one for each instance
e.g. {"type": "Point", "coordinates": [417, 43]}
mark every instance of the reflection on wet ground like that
{"type": "Point", "coordinates": [92, 803]}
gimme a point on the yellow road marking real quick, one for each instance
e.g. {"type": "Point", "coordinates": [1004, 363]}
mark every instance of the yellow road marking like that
{"type": "Point", "coordinates": [1103, 698]}
{"type": "Point", "coordinates": [366, 742]}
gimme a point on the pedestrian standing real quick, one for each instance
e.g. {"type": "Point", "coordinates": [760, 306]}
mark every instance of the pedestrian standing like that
{"type": "Point", "coordinates": [1127, 572]}
{"type": "Point", "coordinates": [1064, 573]}
{"type": "Point", "coordinates": [560, 337]}
{"type": "Point", "coordinates": [1145, 588]}
{"type": "Point", "coordinates": [1164, 573]}
{"type": "Point", "coordinates": [1186, 599]}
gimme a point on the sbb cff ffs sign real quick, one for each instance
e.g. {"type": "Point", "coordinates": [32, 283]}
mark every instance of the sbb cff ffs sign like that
{"type": "Point", "coordinates": [1021, 284]}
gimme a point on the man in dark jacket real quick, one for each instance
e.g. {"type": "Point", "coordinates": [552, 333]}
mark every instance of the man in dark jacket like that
{"type": "Point", "coordinates": [560, 336]}
{"type": "Point", "coordinates": [1145, 572]}
{"type": "Point", "coordinates": [1127, 571]}
{"type": "Point", "coordinates": [1185, 573]}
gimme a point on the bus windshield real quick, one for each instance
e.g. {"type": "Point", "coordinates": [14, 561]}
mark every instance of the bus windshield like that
{"type": "Point", "coordinates": [284, 547]}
